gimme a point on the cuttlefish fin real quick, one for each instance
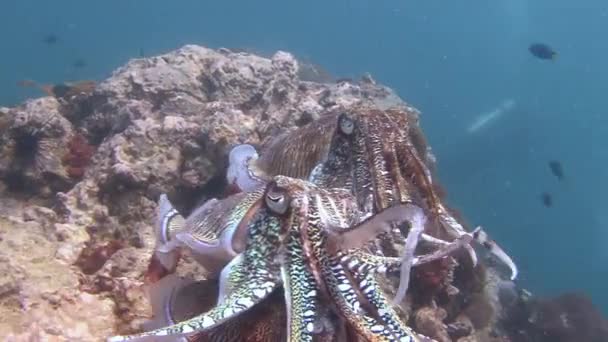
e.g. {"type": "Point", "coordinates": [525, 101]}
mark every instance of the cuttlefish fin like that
{"type": "Point", "coordinates": [169, 223]}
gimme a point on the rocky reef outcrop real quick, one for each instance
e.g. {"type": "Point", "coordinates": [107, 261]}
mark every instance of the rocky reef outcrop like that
{"type": "Point", "coordinates": [80, 175]}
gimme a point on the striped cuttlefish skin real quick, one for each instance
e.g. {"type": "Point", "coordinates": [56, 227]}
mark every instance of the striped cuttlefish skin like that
{"type": "Point", "coordinates": [213, 232]}
{"type": "Point", "coordinates": [311, 243]}
{"type": "Point", "coordinates": [381, 157]}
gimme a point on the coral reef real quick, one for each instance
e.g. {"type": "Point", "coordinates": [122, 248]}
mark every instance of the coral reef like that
{"type": "Point", "coordinates": [566, 318]}
{"type": "Point", "coordinates": [80, 176]}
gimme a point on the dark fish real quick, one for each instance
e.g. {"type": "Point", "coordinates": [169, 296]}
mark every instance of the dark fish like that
{"type": "Point", "coordinates": [62, 90]}
{"type": "Point", "coordinates": [556, 169]}
{"type": "Point", "coordinates": [50, 39]}
{"type": "Point", "coordinates": [344, 80]}
{"type": "Point", "coordinates": [79, 63]}
{"type": "Point", "coordinates": [547, 199]}
{"type": "Point", "coordinates": [542, 51]}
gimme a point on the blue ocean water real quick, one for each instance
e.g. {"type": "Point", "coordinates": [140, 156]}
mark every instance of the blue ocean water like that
{"type": "Point", "coordinates": [455, 61]}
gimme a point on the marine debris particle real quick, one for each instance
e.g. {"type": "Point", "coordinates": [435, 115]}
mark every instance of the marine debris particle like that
{"type": "Point", "coordinates": [547, 199]}
{"type": "Point", "coordinates": [79, 63]}
{"type": "Point", "coordinates": [556, 169]}
{"type": "Point", "coordinates": [78, 156]}
{"type": "Point", "coordinates": [50, 39]}
{"type": "Point", "coordinates": [542, 51]}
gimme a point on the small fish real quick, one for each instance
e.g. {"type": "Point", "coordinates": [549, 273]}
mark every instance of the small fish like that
{"type": "Point", "coordinates": [547, 199]}
{"type": "Point", "coordinates": [50, 39]}
{"type": "Point", "coordinates": [79, 63]}
{"type": "Point", "coordinates": [344, 80]}
{"type": "Point", "coordinates": [556, 169]}
{"type": "Point", "coordinates": [64, 90]}
{"type": "Point", "coordinates": [542, 51]}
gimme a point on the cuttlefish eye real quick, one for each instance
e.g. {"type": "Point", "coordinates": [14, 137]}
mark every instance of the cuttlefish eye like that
{"type": "Point", "coordinates": [346, 124]}
{"type": "Point", "coordinates": [277, 200]}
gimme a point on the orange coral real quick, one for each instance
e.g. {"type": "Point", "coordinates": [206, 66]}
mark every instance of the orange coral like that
{"type": "Point", "coordinates": [78, 156]}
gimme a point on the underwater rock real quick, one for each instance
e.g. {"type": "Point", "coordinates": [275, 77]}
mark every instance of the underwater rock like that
{"type": "Point", "coordinates": [568, 317]}
{"type": "Point", "coordinates": [33, 140]}
{"type": "Point", "coordinates": [429, 321]}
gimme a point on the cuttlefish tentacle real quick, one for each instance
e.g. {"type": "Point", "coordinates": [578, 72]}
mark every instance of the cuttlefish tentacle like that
{"type": "Point", "coordinates": [348, 302]}
{"type": "Point", "coordinates": [300, 294]}
{"type": "Point", "coordinates": [176, 299]}
{"type": "Point", "coordinates": [417, 222]}
{"type": "Point", "coordinates": [250, 280]}
{"type": "Point", "coordinates": [319, 270]}
{"type": "Point", "coordinates": [395, 163]}
{"type": "Point", "coordinates": [422, 176]}
{"type": "Point", "coordinates": [362, 262]}
{"type": "Point", "coordinates": [371, 290]}
{"type": "Point", "coordinates": [379, 224]}
{"type": "Point", "coordinates": [242, 299]}
{"type": "Point", "coordinates": [336, 281]}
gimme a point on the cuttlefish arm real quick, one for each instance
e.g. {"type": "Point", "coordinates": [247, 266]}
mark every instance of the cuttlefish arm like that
{"type": "Point", "coordinates": [359, 235]}
{"type": "Point", "coordinates": [481, 237]}
{"type": "Point", "coordinates": [174, 299]}
{"type": "Point", "coordinates": [240, 168]}
{"type": "Point", "coordinates": [484, 239]}
{"type": "Point", "coordinates": [360, 261]}
{"type": "Point", "coordinates": [246, 284]}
